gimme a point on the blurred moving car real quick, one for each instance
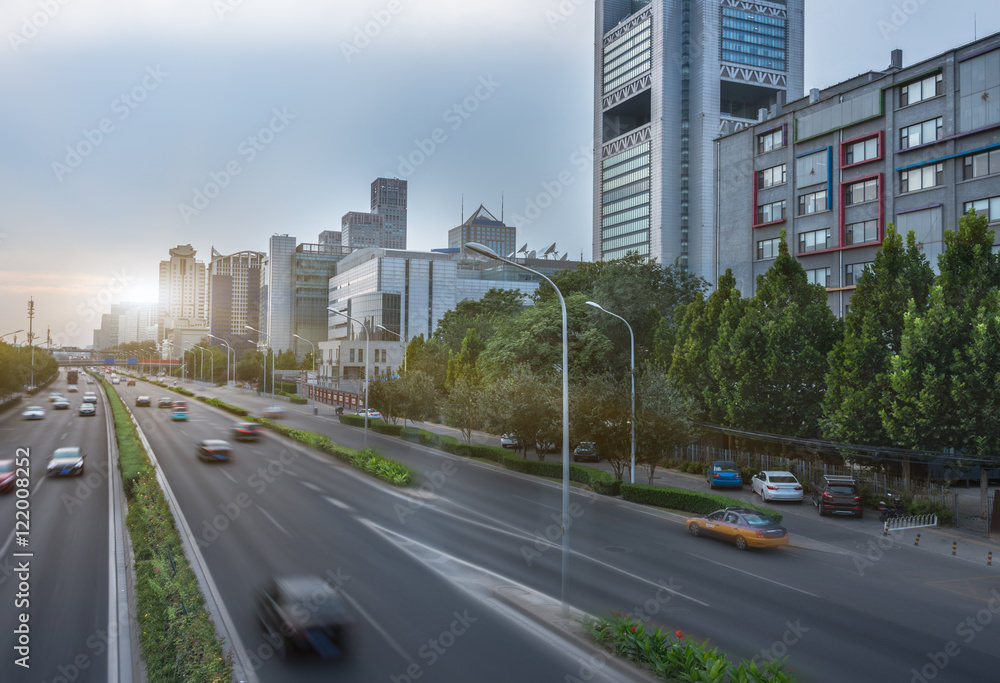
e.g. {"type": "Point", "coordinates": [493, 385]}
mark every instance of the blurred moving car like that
{"type": "Point", "coordinates": [509, 441]}
{"type": "Point", "coordinates": [165, 403]}
{"type": "Point", "coordinates": [72, 388]}
{"type": "Point", "coordinates": [307, 615]}
{"type": "Point", "coordinates": [65, 462]}
{"type": "Point", "coordinates": [745, 528]}
{"type": "Point", "coordinates": [54, 396]}
{"type": "Point", "coordinates": [723, 473]}
{"type": "Point", "coordinates": [61, 404]}
{"type": "Point", "coordinates": [587, 450]}
{"type": "Point", "coordinates": [776, 485]}
{"type": "Point", "coordinates": [274, 412]}
{"type": "Point", "coordinates": [214, 450]}
{"type": "Point", "coordinates": [88, 409]}
{"type": "Point", "coordinates": [90, 380]}
{"type": "Point", "coordinates": [142, 401]}
{"type": "Point", "coordinates": [179, 415]}
{"type": "Point", "coordinates": [247, 431]}
{"type": "Point", "coordinates": [89, 397]}
{"type": "Point", "coordinates": [6, 475]}
{"type": "Point", "coordinates": [33, 413]}
{"type": "Point", "coordinates": [178, 403]}
{"type": "Point", "coordinates": [130, 383]}
{"type": "Point", "coordinates": [372, 414]}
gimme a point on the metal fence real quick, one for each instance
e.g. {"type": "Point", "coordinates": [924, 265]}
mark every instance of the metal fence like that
{"type": "Point", "coordinates": [807, 472]}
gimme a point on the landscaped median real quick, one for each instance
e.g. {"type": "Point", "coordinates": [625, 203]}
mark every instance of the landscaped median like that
{"type": "Point", "coordinates": [673, 657]}
{"type": "Point", "coordinates": [178, 637]}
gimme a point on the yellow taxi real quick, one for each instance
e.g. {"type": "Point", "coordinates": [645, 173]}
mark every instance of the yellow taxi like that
{"type": "Point", "coordinates": [746, 528]}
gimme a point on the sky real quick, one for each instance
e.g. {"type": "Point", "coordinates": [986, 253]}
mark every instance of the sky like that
{"type": "Point", "coordinates": [128, 127]}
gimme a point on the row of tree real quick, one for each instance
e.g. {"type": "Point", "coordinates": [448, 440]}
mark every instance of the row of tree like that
{"type": "Point", "coordinates": [18, 364]}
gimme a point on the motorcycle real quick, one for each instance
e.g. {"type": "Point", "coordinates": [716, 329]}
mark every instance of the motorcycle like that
{"type": "Point", "coordinates": [885, 512]}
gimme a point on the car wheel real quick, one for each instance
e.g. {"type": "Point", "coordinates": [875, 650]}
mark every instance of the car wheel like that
{"type": "Point", "coordinates": [694, 529]}
{"type": "Point", "coordinates": [741, 543]}
{"type": "Point", "coordinates": [819, 508]}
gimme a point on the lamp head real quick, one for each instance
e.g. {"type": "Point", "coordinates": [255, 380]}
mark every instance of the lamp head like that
{"type": "Point", "coordinates": [597, 306]}
{"type": "Point", "coordinates": [482, 250]}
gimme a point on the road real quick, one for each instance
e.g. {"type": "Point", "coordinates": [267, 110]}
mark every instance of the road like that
{"type": "Point", "coordinates": [897, 611]}
{"type": "Point", "coordinates": [68, 577]}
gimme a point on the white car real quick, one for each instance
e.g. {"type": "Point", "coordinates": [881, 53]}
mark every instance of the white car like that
{"type": "Point", "coordinates": [90, 397]}
{"type": "Point", "coordinates": [33, 413]}
{"type": "Point", "coordinates": [509, 441]}
{"type": "Point", "coordinates": [776, 485]}
{"type": "Point", "coordinates": [274, 412]}
{"type": "Point", "coordinates": [372, 414]}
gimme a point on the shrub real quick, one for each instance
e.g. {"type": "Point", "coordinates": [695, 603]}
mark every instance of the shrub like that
{"type": "Point", "coordinates": [686, 501]}
{"type": "Point", "coordinates": [219, 403]}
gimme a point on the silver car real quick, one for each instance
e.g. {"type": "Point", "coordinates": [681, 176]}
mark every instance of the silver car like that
{"type": "Point", "coordinates": [776, 485]}
{"type": "Point", "coordinates": [33, 413]}
{"type": "Point", "coordinates": [65, 462]}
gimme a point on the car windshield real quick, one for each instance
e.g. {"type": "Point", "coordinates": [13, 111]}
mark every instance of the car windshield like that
{"type": "Point", "coordinates": [757, 520]}
{"type": "Point", "coordinates": [7, 466]}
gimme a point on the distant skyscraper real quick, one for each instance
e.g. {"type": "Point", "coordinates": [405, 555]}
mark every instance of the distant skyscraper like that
{"type": "Point", "coordinates": [234, 296]}
{"type": "Point", "coordinates": [389, 202]}
{"type": "Point", "coordinates": [183, 290]}
{"type": "Point", "coordinates": [484, 228]}
{"type": "Point", "coordinates": [359, 230]}
{"type": "Point", "coordinates": [670, 77]}
{"type": "Point", "coordinates": [278, 282]}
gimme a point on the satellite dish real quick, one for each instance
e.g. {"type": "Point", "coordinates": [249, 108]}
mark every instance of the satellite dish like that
{"type": "Point", "coordinates": [512, 254]}
{"type": "Point", "coordinates": [549, 250]}
{"type": "Point", "coordinates": [565, 256]}
{"type": "Point", "coordinates": [523, 249]}
{"type": "Point", "coordinates": [531, 254]}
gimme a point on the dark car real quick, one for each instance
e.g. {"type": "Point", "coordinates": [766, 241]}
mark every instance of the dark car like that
{"type": "Point", "coordinates": [837, 495]}
{"type": "Point", "coordinates": [306, 614]}
{"type": "Point", "coordinates": [6, 475]}
{"type": "Point", "coordinates": [247, 431]}
{"type": "Point", "coordinates": [165, 402]}
{"type": "Point", "coordinates": [214, 450]}
{"type": "Point", "coordinates": [130, 383]}
{"type": "Point", "coordinates": [65, 462]}
{"type": "Point", "coordinates": [142, 401]}
{"type": "Point", "coordinates": [61, 404]}
{"type": "Point", "coordinates": [587, 450]}
{"type": "Point", "coordinates": [746, 528]}
{"type": "Point", "coordinates": [723, 473]}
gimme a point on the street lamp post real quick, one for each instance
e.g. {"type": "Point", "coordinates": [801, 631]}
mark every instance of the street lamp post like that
{"type": "Point", "coordinates": [228, 349]}
{"type": "Point", "coordinates": [489, 253]}
{"type": "Point", "coordinates": [386, 329]}
{"type": "Point", "coordinates": [632, 338]}
{"type": "Point", "coordinates": [314, 369]}
{"type": "Point", "coordinates": [368, 337]}
{"type": "Point", "coordinates": [10, 333]}
{"type": "Point", "coordinates": [265, 360]}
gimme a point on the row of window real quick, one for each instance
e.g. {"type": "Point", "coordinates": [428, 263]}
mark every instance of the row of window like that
{"type": "Point", "coordinates": [819, 240]}
{"type": "Point", "coordinates": [753, 60]}
{"type": "Point", "coordinates": [865, 150]}
{"type": "Point", "coordinates": [361, 356]}
{"type": "Point", "coordinates": [852, 273]}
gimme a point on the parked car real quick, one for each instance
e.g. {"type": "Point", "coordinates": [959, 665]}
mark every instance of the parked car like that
{"type": "Point", "coordinates": [165, 402]}
{"type": "Point", "coordinates": [776, 485]}
{"type": "Point", "coordinates": [723, 473]}
{"type": "Point", "coordinates": [307, 615]}
{"type": "Point", "coordinates": [214, 450]}
{"type": "Point", "coordinates": [371, 412]}
{"type": "Point", "coordinates": [61, 404]}
{"type": "Point", "coordinates": [837, 495]}
{"type": "Point", "coordinates": [745, 528]}
{"type": "Point", "coordinates": [88, 409]}
{"type": "Point", "coordinates": [509, 441]}
{"type": "Point", "coordinates": [6, 476]}
{"type": "Point", "coordinates": [66, 462]}
{"type": "Point", "coordinates": [89, 397]}
{"type": "Point", "coordinates": [586, 450]}
{"type": "Point", "coordinates": [33, 413]}
{"type": "Point", "coordinates": [543, 446]}
{"type": "Point", "coordinates": [142, 401]}
{"type": "Point", "coordinates": [247, 431]}
{"type": "Point", "coordinates": [274, 412]}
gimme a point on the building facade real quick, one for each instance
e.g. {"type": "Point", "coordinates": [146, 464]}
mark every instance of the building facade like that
{"type": "Point", "coordinates": [389, 202]}
{"type": "Point", "coordinates": [183, 291]}
{"type": "Point", "coordinates": [234, 297]}
{"type": "Point", "coordinates": [916, 146]}
{"type": "Point", "coordinates": [277, 294]}
{"type": "Point", "coordinates": [359, 230]}
{"type": "Point", "coordinates": [312, 267]}
{"type": "Point", "coordinates": [484, 228]}
{"type": "Point", "coordinates": [670, 75]}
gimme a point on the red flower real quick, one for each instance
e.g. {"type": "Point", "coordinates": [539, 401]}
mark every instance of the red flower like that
{"type": "Point", "coordinates": [679, 634]}
{"type": "Point", "coordinates": [633, 629]}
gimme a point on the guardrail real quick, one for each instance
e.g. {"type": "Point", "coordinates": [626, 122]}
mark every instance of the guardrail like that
{"type": "Point", "coordinates": [909, 522]}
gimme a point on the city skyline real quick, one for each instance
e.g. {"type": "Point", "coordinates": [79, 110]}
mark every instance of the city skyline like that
{"type": "Point", "coordinates": [292, 112]}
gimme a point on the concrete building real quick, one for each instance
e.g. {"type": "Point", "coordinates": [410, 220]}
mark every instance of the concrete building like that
{"type": "Point", "coordinates": [389, 202]}
{"type": "Point", "coordinates": [670, 75]}
{"type": "Point", "coordinates": [916, 146]}
{"type": "Point", "coordinates": [235, 285]}
{"type": "Point", "coordinates": [359, 230]}
{"type": "Point", "coordinates": [183, 291]}
{"type": "Point", "coordinates": [484, 228]}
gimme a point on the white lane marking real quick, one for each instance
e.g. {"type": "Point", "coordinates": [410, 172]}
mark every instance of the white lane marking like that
{"type": "Point", "coordinates": [310, 485]}
{"type": "Point", "coordinates": [340, 504]}
{"type": "Point", "coordinates": [63, 436]}
{"type": "Point", "coordinates": [756, 576]}
{"type": "Point", "coordinates": [392, 643]}
{"type": "Point", "coordinates": [229, 476]}
{"type": "Point", "coordinates": [535, 502]}
{"type": "Point", "coordinates": [274, 521]}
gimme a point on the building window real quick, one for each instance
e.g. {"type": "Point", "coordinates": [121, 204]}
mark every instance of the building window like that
{"type": "Point", "coordinates": [812, 202]}
{"type": "Point", "coordinates": [751, 38]}
{"type": "Point", "coordinates": [819, 276]}
{"type": "Point", "coordinates": [921, 178]}
{"type": "Point", "coordinates": [861, 151]}
{"type": "Point", "coordinates": [985, 207]}
{"type": "Point", "coordinates": [814, 240]}
{"type": "Point", "coordinates": [361, 355]}
{"type": "Point", "coordinates": [352, 355]}
{"type": "Point", "coordinates": [770, 177]}
{"type": "Point", "coordinates": [813, 168]}
{"type": "Point", "coordinates": [920, 133]}
{"type": "Point", "coordinates": [853, 272]}
{"type": "Point", "coordinates": [768, 248]}
{"type": "Point", "coordinates": [979, 90]}
{"type": "Point", "coordinates": [769, 213]}
{"type": "Point", "coordinates": [982, 164]}
{"type": "Point", "coordinates": [864, 191]}
{"type": "Point", "coordinates": [383, 355]}
{"type": "Point", "coordinates": [860, 233]}
{"type": "Point", "coordinates": [772, 140]}
{"type": "Point", "coordinates": [924, 89]}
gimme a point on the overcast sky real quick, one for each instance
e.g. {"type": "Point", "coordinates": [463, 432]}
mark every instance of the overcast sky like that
{"type": "Point", "coordinates": [308, 101]}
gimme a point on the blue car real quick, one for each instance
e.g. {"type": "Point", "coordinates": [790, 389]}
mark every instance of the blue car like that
{"type": "Point", "coordinates": [179, 415]}
{"type": "Point", "coordinates": [723, 473]}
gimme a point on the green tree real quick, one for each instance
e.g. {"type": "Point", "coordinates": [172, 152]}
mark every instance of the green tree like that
{"type": "Point", "coordinates": [463, 365]}
{"type": "Point", "coordinates": [13, 373]}
{"type": "Point", "coordinates": [465, 406]}
{"type": "Point", "coordinates": [664, 419]}
{"type": "Point", "coordinates": [388, 396]}
{"type": "Point", "coordinates": [429, 357]}
{"type": "Point", "coordinates": [285, 360]}
{"type": "Point", "coordinates": [483, 316]}
{"type": "Point", "coordinates": [420, 398]}
{"type": "Point", "coordinates": [600, 411]}
{"type": "Point", "coordinates": [523, 404]}
{"type": "Point", "coordinates": [858, 380]}
{"type": "Point", "coordinates": [778, 351]}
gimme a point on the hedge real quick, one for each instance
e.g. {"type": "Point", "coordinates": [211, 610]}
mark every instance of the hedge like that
{"type": "Point", "coordinates": [685, 501]}
{"type": "Point", "coordinates": [219, 403]}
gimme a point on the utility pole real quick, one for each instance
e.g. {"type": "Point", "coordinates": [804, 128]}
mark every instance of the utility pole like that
{"type": "Point", "coordinates": [31, 337]}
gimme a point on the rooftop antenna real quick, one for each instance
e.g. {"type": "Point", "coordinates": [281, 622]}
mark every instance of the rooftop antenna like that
{"type": "Point", "coordinates": [501, 206]}
{"type": "Point", "coordinates": [463, 209]}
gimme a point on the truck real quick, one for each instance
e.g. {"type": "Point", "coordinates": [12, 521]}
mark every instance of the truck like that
{"type": "Point", "coordinates": [72, 376]}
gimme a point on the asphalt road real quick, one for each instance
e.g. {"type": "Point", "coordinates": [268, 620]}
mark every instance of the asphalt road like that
{"type": "Point", "coordinates": [67, 603]}
{"type": "Point", "coordinates": [841, 605]}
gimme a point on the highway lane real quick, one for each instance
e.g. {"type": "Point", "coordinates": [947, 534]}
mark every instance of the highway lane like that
{"type": "Point", "coordinates": [262, 514]}
{"type": "Point", "coordinates": [822, 596]}
{"type": "Point", "coordinates": [68, 536]}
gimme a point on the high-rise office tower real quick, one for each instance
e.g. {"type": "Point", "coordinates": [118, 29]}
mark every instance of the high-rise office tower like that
{"type": "Point", "coordinates": [234, 296]}
{"type": "Point", "coordinates": [183, 290]}
{"type": "Point", "coordinates": [276, 297]}
{"type": "Point", "coordinates": [389, 202]}
{"type": "Point", "coordinates": [670, 77]}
